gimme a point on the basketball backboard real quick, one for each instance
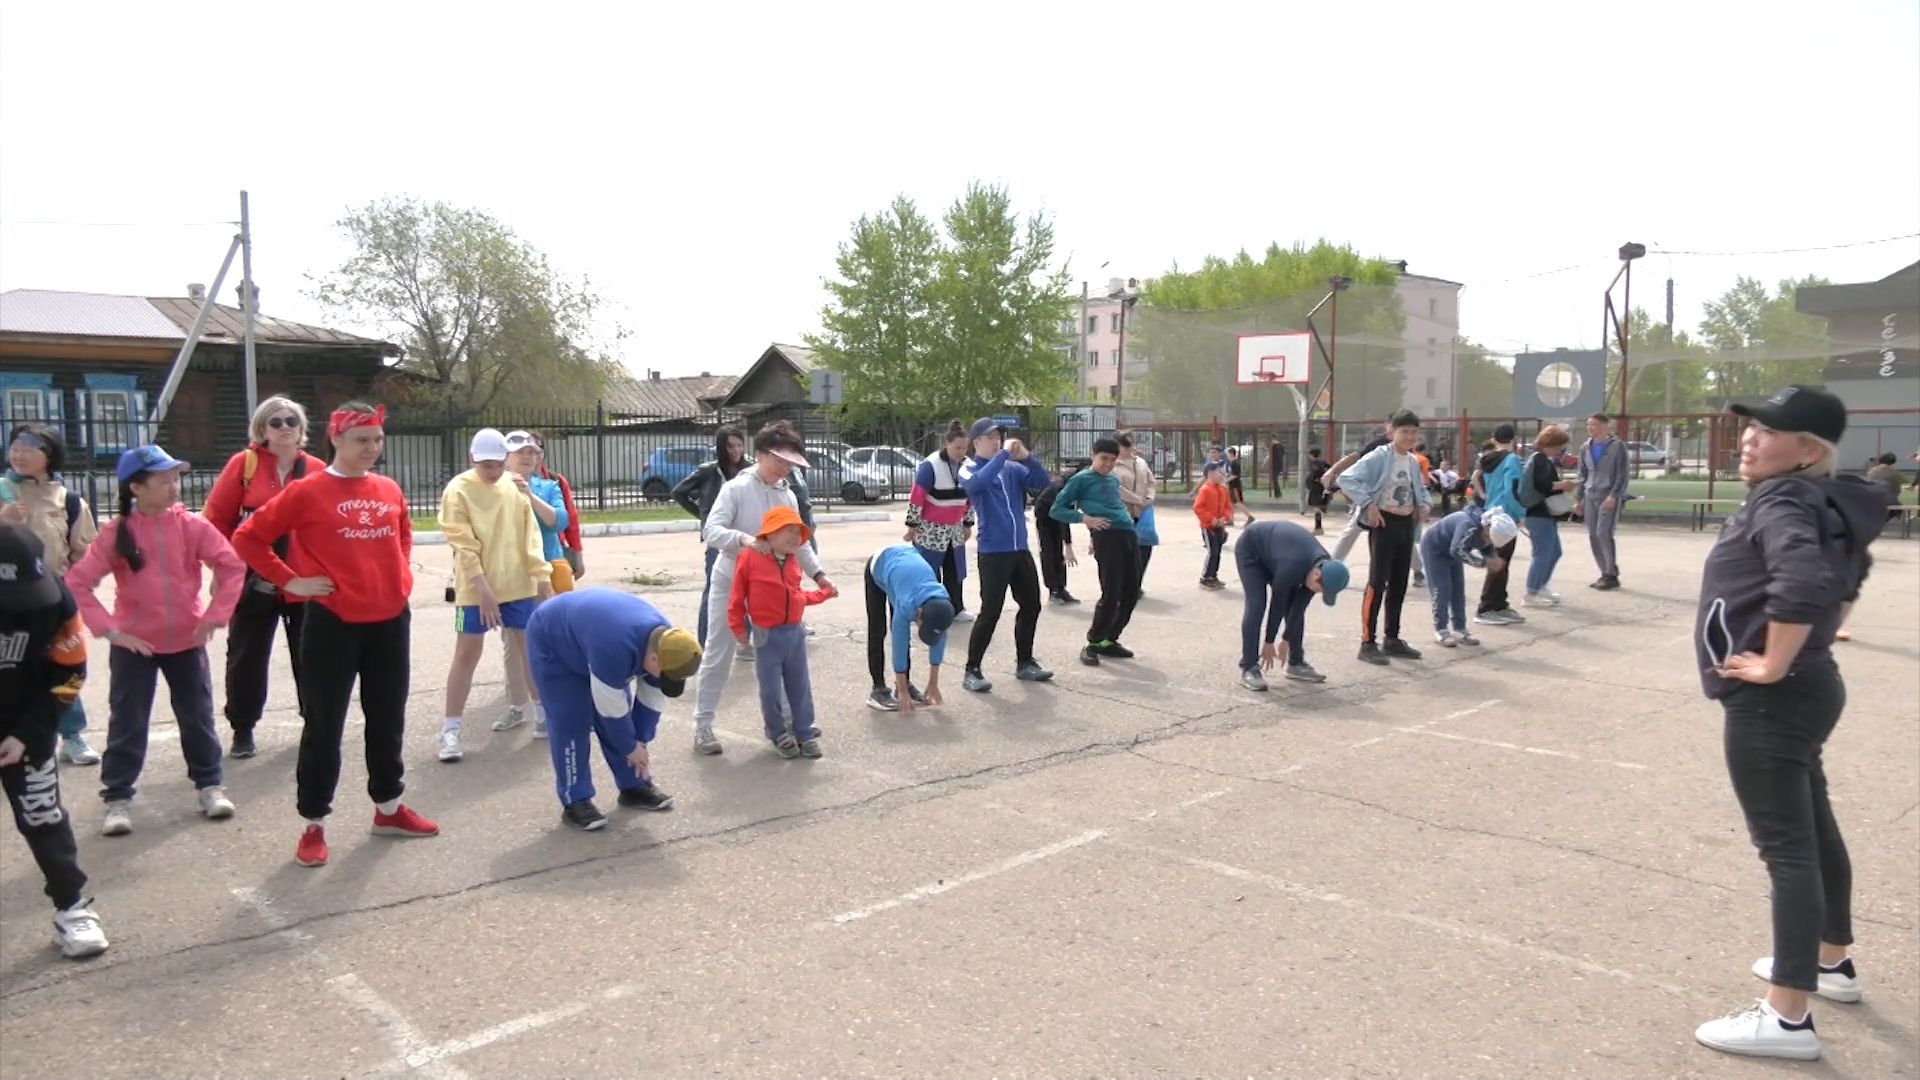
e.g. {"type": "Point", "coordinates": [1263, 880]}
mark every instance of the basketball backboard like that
{"type": "Point", "coordinates": [1273, 359]}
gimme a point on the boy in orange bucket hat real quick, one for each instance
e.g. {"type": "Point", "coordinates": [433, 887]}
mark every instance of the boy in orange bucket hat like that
{"type": "Point", "coordinates": [768, 602]}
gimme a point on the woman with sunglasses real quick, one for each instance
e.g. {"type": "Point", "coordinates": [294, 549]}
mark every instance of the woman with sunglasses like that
{"type": "Point", "coordinates": [275, 457]}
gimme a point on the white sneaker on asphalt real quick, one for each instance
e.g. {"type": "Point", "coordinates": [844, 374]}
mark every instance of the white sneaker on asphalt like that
{"type": "Point", "coordinates": [1511, 615]}
{"type": "Point", "coordinates": [706, 742]}
{"type": "Point", "coordinates": [450, 746]}
{"type": "Point", "coordinates": [1543, 599]}
{"type": "Point", "coordinates": [77, 931]}
{"type": "Point", "coordinates": [539, 727]}
{"type": "Point", "coordinates": [1761, 1032]}
{"type": "Point", "coordinates": [1252, 679]}
{"type": "Point", "coordinates": [516, 715]}
{"type": "Point", "coordinates": [1837, 983]}
{"type": "Point", "coordinates": [963, 616]}
{"type": "Point", "coordinates": [1461, 637]}
{"type": "Point", "coordinates": [214, 803]}
{"type": "Point", "coordinates": [75, 751]}
{"type": "Point", "coordinates": [1443, 639]}
{"type": "Point", "coordinates": [119, 819]}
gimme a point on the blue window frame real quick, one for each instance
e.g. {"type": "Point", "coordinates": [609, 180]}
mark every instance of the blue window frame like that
{"type": "Point", "coordinates": [26, 397]}
{"type": "Point", "coordinates": [113, 415]}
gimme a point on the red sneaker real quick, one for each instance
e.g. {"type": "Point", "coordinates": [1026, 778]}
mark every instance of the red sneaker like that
{"type": "Point", "coordinates": [403, 822]}
{"type": "Point", "coordinates": [313, 847]}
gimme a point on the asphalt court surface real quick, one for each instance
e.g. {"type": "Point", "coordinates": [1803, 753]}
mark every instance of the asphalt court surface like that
{"type": "Point", "coordinates": [1517, 860]}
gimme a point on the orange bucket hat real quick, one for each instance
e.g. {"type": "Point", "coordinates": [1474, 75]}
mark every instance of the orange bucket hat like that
{"type": "Point", "coordinates": [779, 518]}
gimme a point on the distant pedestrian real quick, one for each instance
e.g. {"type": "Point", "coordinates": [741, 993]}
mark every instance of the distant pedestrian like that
{"type": "Point", "coordinates": [1214, 508]}
{"type": "Point", "coordinates": [1276, 467]}
{"type": "Point", "coordinates": [1055, 539]}
{"type": "Point", "coordinates": [940, 517]}
{"type": "Point", "coordinates": [1282, 567]}
{"type": "Point", "coordinates": [1315, 478]}
{"type": "Point", "coordinates": [1470, 537]}
{"type": "Point", "coordinates": [1093, 497]}
{"type": "Point", "coordinates": [767, 594]}
{"type": "Point", "coordinates": [1603, 476]}
{"type": "Point", "coordinates": [1234, 490]}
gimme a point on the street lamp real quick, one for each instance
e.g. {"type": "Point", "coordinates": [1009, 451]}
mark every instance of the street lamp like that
{"type": "Point", "coordinates": [1617, 321]}
{"type": "Point", "coordinates": [1128, 296]}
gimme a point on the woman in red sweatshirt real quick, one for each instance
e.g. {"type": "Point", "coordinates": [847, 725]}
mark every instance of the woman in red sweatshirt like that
{"type": "Point", "coordinates": [275, 457]}
{"type": "Point", "coordinates": [352, 544]}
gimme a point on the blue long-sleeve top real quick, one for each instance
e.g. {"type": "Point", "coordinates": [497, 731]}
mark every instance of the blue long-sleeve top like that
{"type": "Point", "coordinates": [1367, 481]}
{"type": "Point", "coordinates": [1462, 535]}
{"type": "Point", "coordinates": [908, 581]}
{"type": "Point", "coordinates": [548, 491]}
{"type": "Point", "coordinates": [601, 635]}
{"type": "Point", "coordinates": [998, 488]}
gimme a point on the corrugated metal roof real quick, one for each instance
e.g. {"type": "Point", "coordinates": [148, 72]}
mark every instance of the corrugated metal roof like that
{"type": "Point", "coordinates": [75, 314]}
{"type": "Point", "coordinates": [682, 397]}
{"type": "Point", "coordinates": [229, 324]}
{"type": "Point", "coordinates": [802, 358]}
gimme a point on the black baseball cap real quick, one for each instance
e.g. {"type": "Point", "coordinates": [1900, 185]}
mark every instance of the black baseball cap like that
{"type": "Point", "coordinates": [25, 581]}
{"type": "Point", "coordinates": [1800, 410]}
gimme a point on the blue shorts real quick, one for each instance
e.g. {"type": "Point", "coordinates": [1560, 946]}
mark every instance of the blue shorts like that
{"type": "Point", "coordinates": [514, 615]}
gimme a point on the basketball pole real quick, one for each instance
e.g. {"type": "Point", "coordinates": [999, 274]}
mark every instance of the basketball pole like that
{"type": "Point", "coordinates": [1337, 284]}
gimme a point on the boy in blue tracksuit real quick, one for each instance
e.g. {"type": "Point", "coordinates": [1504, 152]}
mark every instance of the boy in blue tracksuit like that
{"type": "Point", "coordinates": [1282, 568]}
{"type": "Point", "coordinates": [997, 479]}
{"type": "Point", "coordinates": [1473, 535]}
{"type": "Point", "coordinates": [605, 663]}
{"type": "Point", "coordinates": [899, 578]}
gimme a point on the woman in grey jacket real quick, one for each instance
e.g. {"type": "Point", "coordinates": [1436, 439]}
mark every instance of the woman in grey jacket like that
{"type": "Point", "coordinates": [696, 493]}
{"type": "Point", "coordinates": [1771, 596]}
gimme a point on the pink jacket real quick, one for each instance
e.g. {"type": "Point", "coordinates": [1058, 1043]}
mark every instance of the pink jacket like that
{"type": "Point", "coordinates": [161, 603]}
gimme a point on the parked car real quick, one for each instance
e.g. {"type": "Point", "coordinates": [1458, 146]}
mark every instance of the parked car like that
{"type": "Point", "coordinates": [1640, 453]}
{"type": "Point", "coordinates": [668, 465]}
{"type": "Point", "coordinates": [897, 462]}
{"type": "Point", "coordinates": [832, 472]}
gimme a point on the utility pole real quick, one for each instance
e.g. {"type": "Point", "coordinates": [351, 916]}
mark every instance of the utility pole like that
{"type": "Point", "coordinates": [249, 303]}
{"type": "Point", "coordinates": [1672, 358]}
{"type": "Point", "coordinates": [1080, 360]}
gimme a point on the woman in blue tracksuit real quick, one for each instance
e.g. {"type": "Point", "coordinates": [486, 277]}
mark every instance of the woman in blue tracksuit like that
{"type": "Point", "coordinates": [997, 479]}
{"type": "Point", "coordinates": [605, 663]}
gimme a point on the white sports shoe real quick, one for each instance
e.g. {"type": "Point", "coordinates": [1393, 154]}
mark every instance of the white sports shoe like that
{"type": "Point", "coordinates": [119, 819]}
{"type": "Point", "coordinates": [450, 746]}
{"type": "Point", "coordinates": [539, 727]}
{"type": "Point", "coordinates": [1761, 1032]}
{"type": "Point", "coordinates": [1542, 599]}
{"type": "Point", "coordinates": [77, 931]}
{"type": "Point", "coordinates": [516, 715]}
{"type": "Point", "coordinates": [214, 803]}
{"type": "Point", "coordinates": [1837, 983]}
{"type": "Point", "coordinates": [1444, 639]}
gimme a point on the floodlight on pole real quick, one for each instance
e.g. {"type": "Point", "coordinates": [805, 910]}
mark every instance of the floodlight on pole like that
{"type": "Point", "coordinates": [1617, 322]}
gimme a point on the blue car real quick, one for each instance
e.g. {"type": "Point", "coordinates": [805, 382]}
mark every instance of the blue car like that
{"type": "Point", "coordinates": [668, 465]}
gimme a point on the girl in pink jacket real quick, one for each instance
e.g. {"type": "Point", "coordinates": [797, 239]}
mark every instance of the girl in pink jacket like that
{"type": "Point", "coordinates": [156, 551]}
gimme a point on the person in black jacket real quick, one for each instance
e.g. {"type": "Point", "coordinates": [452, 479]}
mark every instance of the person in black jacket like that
{"type": "Point", "coordinates": [696, 492]}
{"type": "Point", "coordinates": [1056, 540]}
{"type": "Point", "coordinates": [1771, 597]}
{"type": "Point", "coordinates": [1539, 482]}
{"type": "Point", "coordinates": [43, 662]}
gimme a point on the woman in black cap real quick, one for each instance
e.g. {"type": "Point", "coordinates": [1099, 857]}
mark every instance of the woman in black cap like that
{"type": "Point", "coordinates": [1770, 600]}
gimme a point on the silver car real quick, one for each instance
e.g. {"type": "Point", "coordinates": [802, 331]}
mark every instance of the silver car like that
{"type": "Point", "coordinates": [896, 462]}
{"type": "Point", "coordinates": [831, 471]}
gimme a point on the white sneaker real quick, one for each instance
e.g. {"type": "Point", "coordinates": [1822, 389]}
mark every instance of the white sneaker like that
{"type": "Point", "coordinates": [77, 931]}
{"type": "Point", "coordinates": [119, 819]}
{"type": "Point", "coordinates": [539, 727]}
{"type": "Point", "coordinates": [450, 746]}
{"type": "Point", "coordinates": [1252, 679]}
{"type": "Point", "coordinates": [1542, 599]}
{"type": "Point", "coordinates": [1461, 637]}
{"type": "Point", "coordinates": [215, 804]}
{"type": "Point", "coordinates": [1443, 639]}
{"type": "Point", "coordinates": [1761, 1032]}
{"type": "Point", "coordinates": [1837, 983]}
{"type": "Point", "coordinates": [705, 741]}
{"type": "Point", "coordinates": [963, 616]}
{"type": "Point", "coordinates": [516, 715]}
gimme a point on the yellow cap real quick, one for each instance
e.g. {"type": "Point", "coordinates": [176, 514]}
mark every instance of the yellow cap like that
{"type": "Point", "coordinates": [679, 654]}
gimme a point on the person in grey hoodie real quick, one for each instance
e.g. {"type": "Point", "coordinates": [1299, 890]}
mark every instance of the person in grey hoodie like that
{"type": "Point", "coordinates": [1603, 491]}
{"type": "Point", "coordinates": [1771, 596]}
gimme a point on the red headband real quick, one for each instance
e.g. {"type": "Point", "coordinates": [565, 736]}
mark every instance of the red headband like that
{"type": "Point", "coordinates": [345, 419]}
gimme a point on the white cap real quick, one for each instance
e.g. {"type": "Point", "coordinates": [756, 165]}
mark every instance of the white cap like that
{"type": "Point", "coordinates": [519, 440]}
{"type": "Point", "coordinates": [1500, 526]}
{"type": "Point", "coordinates": [488, 445]}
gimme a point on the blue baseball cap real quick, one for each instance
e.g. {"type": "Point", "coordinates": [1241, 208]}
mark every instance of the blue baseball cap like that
{"type": "Point", "coordinates": [935, 616]}
{"type": "Point", "coordinates": [147, 459]}
{"type": "Point", "coordinates": [1333, 578]}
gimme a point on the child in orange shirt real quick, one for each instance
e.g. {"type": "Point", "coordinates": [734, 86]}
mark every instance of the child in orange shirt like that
{"type": "Point", "coordinates": [767, 598]}
{"type": "Point", "coordinates": [1213, 505]}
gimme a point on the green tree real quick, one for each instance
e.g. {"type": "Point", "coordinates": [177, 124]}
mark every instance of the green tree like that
{"type": "Point", "coordinates": [926, 326]}
{"type": "Point", "coordinates": [1485, 385]}
{"type": "Point", "coordinates": [1764, 343]}
{"type": "Point", "coordinates": [481, 315]}
{"type": "Point", "coordinates": [1189, 321]}
{"type": "Point", "coordinates": [1651, 353]}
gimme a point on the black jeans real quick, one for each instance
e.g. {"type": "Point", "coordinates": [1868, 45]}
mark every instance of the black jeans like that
{"type": "Point", "coordinates": [1216, 542]}
{"type": "Point", "coordinates": [879, 629]}
{"type": "Point", "coordinates": [1145, 556]}
{"type": "Point", "coordinates": [1773, 739]}
{"type": "Point", "coordinates": [133, 679]}
{"type": "Point", "coordinates": [250, 652]}
{"type": "Point", "coordinates": [336, 654]}
{"type": "Point", "coordinates": [33, 790]}
{"type": "Point", "coordinates": [1118, 553]}
{"type": "Point", "coordinates": [1493, 592]}
{"type": "Point", "coordinates": [1000, 571]}
{"type": "Point", "coordinates": [1053, 538]}
{"type": "Point", "coordinates": [948, 571]}
{"type": "Point", "coordinates": [1257, 586]}
{"type": "Point", "coordinates": [1390, 549]}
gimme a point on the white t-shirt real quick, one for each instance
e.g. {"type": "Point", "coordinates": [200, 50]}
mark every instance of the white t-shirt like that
{"type": "Point", "coordinates": [1399, 497]}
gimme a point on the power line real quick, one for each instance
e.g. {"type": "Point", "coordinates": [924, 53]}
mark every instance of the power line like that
{"type": "Point", "coordinates": [125, 224]}
{"type": "Point", "coordinates": [1785, 251]}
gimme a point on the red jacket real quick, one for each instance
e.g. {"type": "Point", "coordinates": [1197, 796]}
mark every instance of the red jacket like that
{"type": "Point", "coordinates": [1211, 504]}
{"type": "Point", "coordinates": [233, 497]}
{"type": "Point", "coordinates": [352, 529]}
{"type": "Point", "coordinates": [767, 592]}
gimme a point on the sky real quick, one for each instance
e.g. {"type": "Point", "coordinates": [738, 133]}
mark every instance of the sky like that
{"type": "Point", "coordinates": [699, 164]}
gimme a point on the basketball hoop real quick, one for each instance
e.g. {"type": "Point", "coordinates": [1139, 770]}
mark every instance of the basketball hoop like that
{"type": "Point", "coordinates": [1269, 376]}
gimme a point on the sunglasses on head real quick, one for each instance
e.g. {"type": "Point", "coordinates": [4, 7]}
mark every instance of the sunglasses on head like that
{"type": "Point", "coordinates": [278, 422]}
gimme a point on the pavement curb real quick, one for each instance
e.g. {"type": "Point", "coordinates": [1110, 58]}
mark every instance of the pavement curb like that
{"type": "Point", "coordinates": [648, 528]}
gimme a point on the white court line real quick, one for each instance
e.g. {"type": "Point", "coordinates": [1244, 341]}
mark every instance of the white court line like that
{"type": "Point", "coordinates": [949, 884]}
{"type": "Point", "coordinates": [262, 905]}
{"type": "Point", "coordinates": [1176, 807]}
{"type": "Point", "coordinates": [406, 1038]}
{"type": "Point", "coordinates": [1497, 744]}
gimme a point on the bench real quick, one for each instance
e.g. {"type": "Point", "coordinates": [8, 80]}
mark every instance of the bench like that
{"type": "Point", "coordinates": [1697, 509]}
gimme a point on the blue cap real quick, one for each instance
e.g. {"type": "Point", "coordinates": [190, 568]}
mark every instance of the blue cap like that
{"type": "Point", "coordinates": [935, 616]}
{"type": "Point", "coordinates": [1333, 578]}
{"type": "Point", "coordinates": [982, 428]}
{"type": "Point", "coordinates": [147, 459]}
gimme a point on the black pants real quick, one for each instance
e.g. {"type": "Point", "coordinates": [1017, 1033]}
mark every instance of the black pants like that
{"type": "Point", "coordinates": [33, 790]}
{"type": "Point", "coordinates": [1118, 553]}
{"type": "Point", "coordinates": [1000, 571]}
{"type": "Point", "coordinates": [133, 680]}
{"type": "Point", "coordinates": [948, 571]}
{"type": "Point", "coordinates": [1053, 538]}
{"type": "Point", "coordinates": [250, 652]}
{"type": "Point", "coordinates": [879, 630]}
{"type": "Point", "coordinates": [1773, 739]}
{"type": "Point", "coordinates": [336, 653]}
{"type": "Point", "coordinates": [1390, 549]}
{"type": "Point", "coordinates": [1146, 556]}
{"type": "Point", "coordinates": [1216, 542]}
{"type": "Point", "coordinates": [1493, 593]}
